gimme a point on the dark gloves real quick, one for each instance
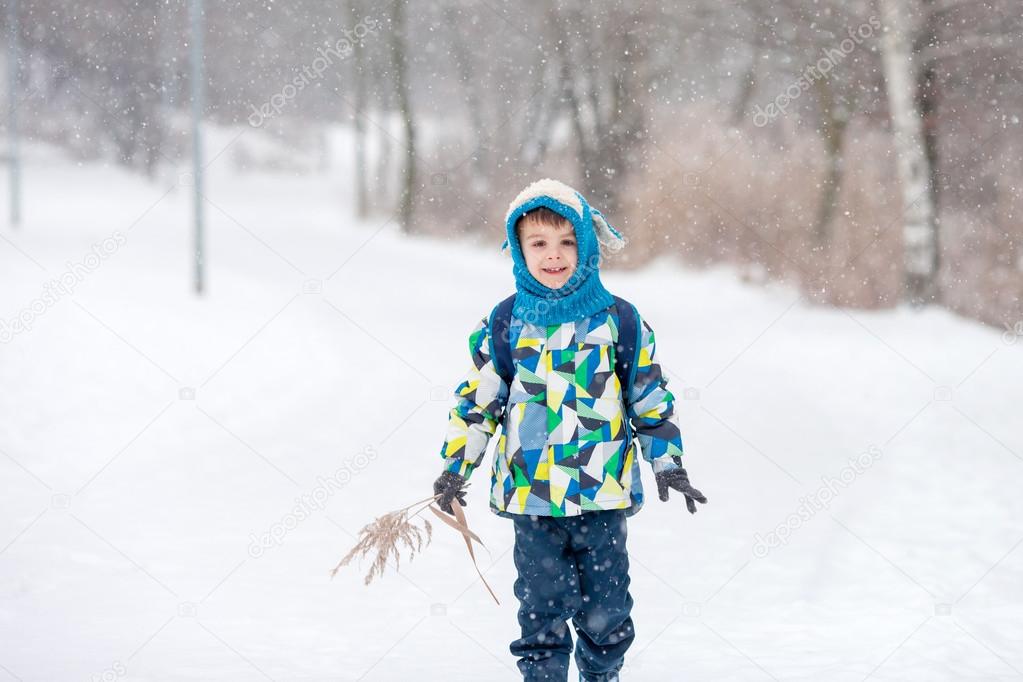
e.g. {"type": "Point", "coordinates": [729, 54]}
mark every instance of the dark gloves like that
{"type": "Point", "coordinates": [679, 480]}
{"type": "Point", "coordinates": [449, 486]}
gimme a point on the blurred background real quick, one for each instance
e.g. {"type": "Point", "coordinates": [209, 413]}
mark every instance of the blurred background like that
{"type": "Point", "coordinates": [763, 135]}
{"type": "Point", "coordinates": [242, 245]}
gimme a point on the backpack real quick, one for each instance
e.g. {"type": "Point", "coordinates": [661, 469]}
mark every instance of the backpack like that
{"type": "Point", "coordinates": [625, 350]}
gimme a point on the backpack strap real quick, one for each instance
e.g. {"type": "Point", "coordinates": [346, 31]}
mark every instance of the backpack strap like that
{"type": "Point", "coordinates": [627, 349]}
{"type": "Point", "coordinates": [500, 341]}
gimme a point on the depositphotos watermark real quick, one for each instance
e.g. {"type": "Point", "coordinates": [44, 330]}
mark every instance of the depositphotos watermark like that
{"type": "Point", "coordinates": [1012, 333]}
{"type": "Point", "coordinates": [816, 501]}
{"type": "Point", "coordinates": [64, 285]}
{"type": "Point", "coordinates": [815, 72]}
{"type": "Point", "coordinates": [313, 501]}
{"type": "Point", "coordinates": [584, 269]}
{"type": "Point", "coordinates": [115, 672]}
{"type": "Point", "coordinates": [340, 50]}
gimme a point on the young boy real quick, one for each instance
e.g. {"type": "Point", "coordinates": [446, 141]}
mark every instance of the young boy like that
{"type": "Point", "coordinates": [566, 469]}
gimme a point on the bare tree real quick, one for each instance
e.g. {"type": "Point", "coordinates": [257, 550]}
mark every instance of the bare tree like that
{"type": "Point", "coordinates": [918, 227]}
{"type": "Point", "coordinates": [399, 62]}
{"type": "Point", "coordinates": [760, 40]}
{"type": "Point", "coordinates": [912, 49]}
{"type": "Point", "coordinates": [359, 95]}
{"type": "Point", "coordinates": [466, 75]}
{"type": "Point", "coordinates": [603, 91]}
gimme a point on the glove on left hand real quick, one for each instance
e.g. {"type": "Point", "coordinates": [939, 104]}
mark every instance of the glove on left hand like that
{"type": "Point", "coordinates": [679, 480]}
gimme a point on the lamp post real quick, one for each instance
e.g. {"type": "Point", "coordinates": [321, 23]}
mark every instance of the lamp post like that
{"type": "Point", "coordinates": [13, 156]}
{"type": "Point", "coordinates": [195, 11]}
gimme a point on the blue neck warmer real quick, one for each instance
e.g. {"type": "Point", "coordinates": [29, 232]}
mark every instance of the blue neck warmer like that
{"type": "Point", "coordinates": [583, 294]}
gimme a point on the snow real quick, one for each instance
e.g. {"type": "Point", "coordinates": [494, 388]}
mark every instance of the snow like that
{"type": "Point", "coordinates": [149, 438]}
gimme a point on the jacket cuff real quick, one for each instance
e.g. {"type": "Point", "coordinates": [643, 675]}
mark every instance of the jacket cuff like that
{"type": "Point", "coordinates": [460, 466]}
{"type": "Point", "coordinates": [666, 463]}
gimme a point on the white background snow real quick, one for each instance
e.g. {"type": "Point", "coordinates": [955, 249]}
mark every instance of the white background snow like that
{"type": "Point", "coordinates": [129, 504]}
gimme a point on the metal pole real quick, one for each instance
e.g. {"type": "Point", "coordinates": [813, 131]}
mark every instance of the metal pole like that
{"type": "Point", "coordinates": [195, 14]}
{"type": "Point", "coordinates": [13, 157]}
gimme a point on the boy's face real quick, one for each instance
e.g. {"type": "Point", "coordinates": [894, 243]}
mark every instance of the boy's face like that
{"type": "Point", "coordinates": [550, 252]}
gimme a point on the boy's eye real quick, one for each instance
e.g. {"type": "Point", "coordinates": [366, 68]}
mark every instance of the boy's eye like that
{"type": "Point", "coordinates": [538, 243]}
{"type": "Point", "coordinates": [568, 242]}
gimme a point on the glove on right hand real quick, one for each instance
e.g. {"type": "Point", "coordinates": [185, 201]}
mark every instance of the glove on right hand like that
{"type": "Point", "coordinates": [449, 486]}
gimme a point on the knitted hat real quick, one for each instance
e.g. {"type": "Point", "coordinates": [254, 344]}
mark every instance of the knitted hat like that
{"type": "Point", "coordinates": [607, 236]}
{"type": "Point", "coordinates": [583, 294]}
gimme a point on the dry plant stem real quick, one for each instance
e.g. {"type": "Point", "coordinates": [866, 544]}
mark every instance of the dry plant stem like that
{"type": "Point", "coordinates": [466, 533]}
{"type": "Point", "coordinates": [429, 501]}
{"type": "Point", "coordinates": [383, 535]}
{"type": "Point", "coordinates": [382, 538]}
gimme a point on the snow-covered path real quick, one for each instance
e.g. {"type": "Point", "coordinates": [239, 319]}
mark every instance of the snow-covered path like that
{"type": "Point", "coordinates": [149, 439]}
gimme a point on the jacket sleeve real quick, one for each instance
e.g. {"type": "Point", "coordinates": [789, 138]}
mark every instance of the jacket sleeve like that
{"type": "Point", "coordinates": [651, 407]}
{"type": "Point", "coordinates": [482, 397]}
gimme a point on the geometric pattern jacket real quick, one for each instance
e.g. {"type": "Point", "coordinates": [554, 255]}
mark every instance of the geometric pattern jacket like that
{"type": "Point", "coordinates": [566, 446]}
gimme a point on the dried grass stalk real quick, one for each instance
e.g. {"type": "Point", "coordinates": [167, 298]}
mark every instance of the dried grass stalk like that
{"type": "Point", "coordinates": [385, 536]}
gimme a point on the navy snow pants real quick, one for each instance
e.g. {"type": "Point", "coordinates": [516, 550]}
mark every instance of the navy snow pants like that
{"type": "Point", "coordinates": [574, 568]}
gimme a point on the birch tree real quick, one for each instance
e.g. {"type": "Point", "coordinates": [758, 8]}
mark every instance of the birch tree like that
{"type": "Point", "coordinates": [919, 236]}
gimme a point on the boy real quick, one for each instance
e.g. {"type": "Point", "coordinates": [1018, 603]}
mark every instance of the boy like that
{"type": "Point", "coordinates": [565, 469]}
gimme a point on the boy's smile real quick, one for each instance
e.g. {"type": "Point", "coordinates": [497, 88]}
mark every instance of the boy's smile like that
{"type": "Point", "coordinates": [550, 252]}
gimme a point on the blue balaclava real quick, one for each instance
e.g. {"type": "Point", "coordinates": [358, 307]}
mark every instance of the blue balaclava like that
{"type": "Point", "coordinates": [583, 294]}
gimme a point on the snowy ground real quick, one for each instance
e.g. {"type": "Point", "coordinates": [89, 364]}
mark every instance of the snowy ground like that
{"type": "Point", "coordinates": [147, 437]}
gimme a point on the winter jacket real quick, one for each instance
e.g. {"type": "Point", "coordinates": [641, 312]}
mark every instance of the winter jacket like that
{"type": "Point", "coordinates": [565, 448]}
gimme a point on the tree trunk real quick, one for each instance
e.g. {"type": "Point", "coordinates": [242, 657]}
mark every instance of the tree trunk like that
{"type": "Point", "coordinates": [919, 238]}
{"type": "Point", "coordinates": [358, 118]}
{"type": "Point", "coordinates": [538, 121]}
{"type": "Point", "coordinates": [928, 94]}
{"type": "Point", "coordinates": [748, 84]}
{"type": "Point", "coordinates": [382, 193]}
{"type": "Point", "coordinates": [623, 132]}
{"type": "Point", "coordinates": [569, 84]}
{"type": "Point", "coordinates": [399, 54]}
{"type": "Point", "coordinates": [610, 128]}
{"type": "Point", "coordinates": [464, 67]}
{"type": "Point", "coordinates": [833, 125]}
